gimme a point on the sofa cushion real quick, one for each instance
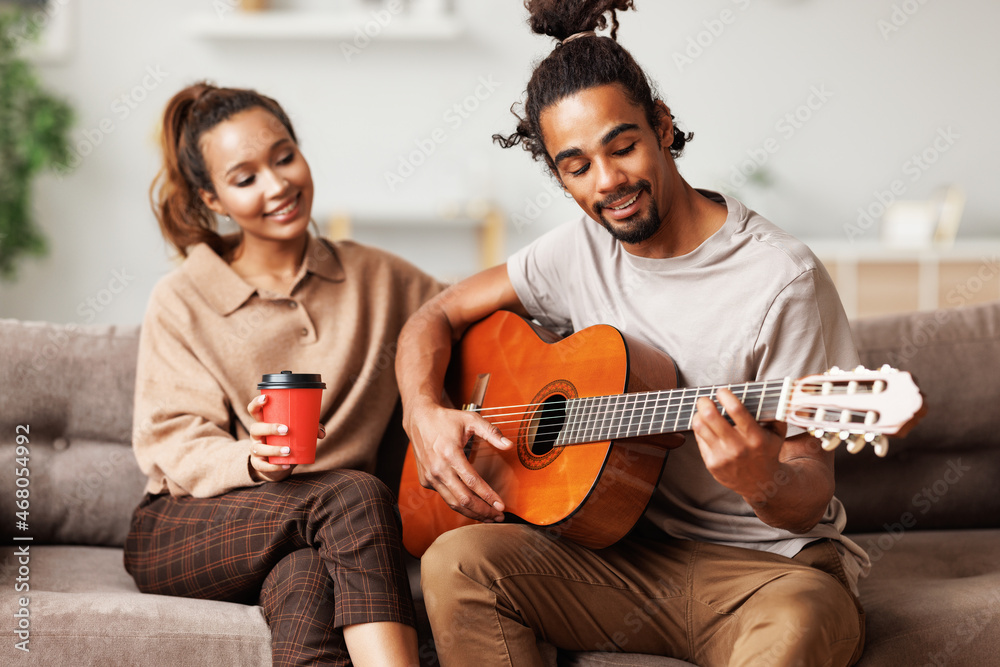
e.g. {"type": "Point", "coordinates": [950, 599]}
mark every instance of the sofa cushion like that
{"type": "Point", "coordinates": [84, 609]}
{"type": "Point", "coordinates": [942, 474]}
{"type": "Point", "coordinates": [70, 381]}
{"type": "Point", "coordinates": [72, 387]}
{"type": "Point", "coordinates": [932, 598]}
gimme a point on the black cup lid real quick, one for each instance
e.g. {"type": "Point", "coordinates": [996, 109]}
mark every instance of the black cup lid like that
{"type": "Point", "coordinates": [290, 380]}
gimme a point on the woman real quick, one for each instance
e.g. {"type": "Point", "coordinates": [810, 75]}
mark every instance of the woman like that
{"type": "Point", "coordinates": [316, 546]}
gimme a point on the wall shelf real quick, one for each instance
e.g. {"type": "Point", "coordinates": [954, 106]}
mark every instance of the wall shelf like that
{"type": "Point", "coordinates": [288, 25]}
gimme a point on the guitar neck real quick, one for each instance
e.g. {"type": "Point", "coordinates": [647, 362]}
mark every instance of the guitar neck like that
{"type": "Point", "coordinates": [615, 417]}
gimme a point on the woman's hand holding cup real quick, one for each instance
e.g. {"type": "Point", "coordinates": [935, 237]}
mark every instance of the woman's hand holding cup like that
{"type": "Point", "coordinates": [260, 451]}
{"type": "Point", "coordinates": [261, 468]}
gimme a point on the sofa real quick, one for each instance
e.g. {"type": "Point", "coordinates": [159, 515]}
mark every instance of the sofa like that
{"type": "Point", "coordinates": [928, 513]}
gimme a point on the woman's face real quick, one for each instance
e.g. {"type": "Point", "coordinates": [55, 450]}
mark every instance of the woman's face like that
{"type": "Point", "coordinates": [261, 179]}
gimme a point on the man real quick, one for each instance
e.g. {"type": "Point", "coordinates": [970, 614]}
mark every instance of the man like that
{"type": "Point", "coordinates": [739, 558]}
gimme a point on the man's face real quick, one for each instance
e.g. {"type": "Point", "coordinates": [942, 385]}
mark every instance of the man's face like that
{"type": "Point", "coordinates": [610, 160]}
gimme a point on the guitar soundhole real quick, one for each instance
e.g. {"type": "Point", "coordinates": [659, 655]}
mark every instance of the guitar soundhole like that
{"type": "Point", "coordinates": [551, 419]}
{"type": "Point", "coordinates": [539, 431]}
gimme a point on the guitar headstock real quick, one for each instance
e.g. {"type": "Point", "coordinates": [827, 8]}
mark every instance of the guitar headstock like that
{"type": "Point", "coordinates": [858, 407]}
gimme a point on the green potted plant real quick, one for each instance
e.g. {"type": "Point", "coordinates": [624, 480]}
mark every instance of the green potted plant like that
{"type": "Point", "coordinates": [34, 137]}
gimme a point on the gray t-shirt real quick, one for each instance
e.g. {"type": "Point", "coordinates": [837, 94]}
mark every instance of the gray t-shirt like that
{"type": "Point", "coordinates": [751, 303]}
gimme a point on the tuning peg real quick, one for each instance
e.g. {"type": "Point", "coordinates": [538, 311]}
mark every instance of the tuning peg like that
{"type": "Point", "coordinates": [834, 370]}
{"type": "Point", "coordinates": [881, 445]}
{"type": "Point", "coordinates": [830, 441]}
{"type": "Point", "coordinates": [856, 444]}
{"type": "Point", "coordinates": [860, 369]}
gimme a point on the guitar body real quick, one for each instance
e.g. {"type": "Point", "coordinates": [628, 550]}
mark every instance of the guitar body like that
{"type": "Point", "coordinates": [590, 493]}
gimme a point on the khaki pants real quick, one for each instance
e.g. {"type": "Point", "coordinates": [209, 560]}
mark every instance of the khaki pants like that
{"type": "Point", "coordinates": [492, 591]}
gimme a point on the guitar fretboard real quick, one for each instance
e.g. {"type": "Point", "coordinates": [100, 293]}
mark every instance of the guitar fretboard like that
{"type": "Point", "coordinates": [600, 418]}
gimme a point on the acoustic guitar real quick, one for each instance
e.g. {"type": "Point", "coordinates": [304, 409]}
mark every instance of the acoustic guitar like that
{"type": "Point", "coordinates": [593, 416]}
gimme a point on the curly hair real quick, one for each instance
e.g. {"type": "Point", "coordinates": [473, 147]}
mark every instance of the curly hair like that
{"type": "Point", "coordinates": [579, 64]}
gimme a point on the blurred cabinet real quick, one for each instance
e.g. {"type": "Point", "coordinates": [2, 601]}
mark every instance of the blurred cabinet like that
{"type": "Point", "coordinates": [874, 279]}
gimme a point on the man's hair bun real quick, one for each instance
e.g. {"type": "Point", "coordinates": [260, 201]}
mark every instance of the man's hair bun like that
{"type": "Point", "coordinates": [562, 18]}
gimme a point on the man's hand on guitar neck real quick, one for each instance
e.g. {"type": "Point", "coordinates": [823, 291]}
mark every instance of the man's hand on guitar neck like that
{"type": "Point", "coordinates": [787, 482]}
{"type": "Point", "coordinates": [438, 435]}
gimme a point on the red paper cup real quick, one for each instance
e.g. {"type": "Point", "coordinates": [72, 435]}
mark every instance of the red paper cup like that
{"type": "Point", "coordinates": [293, 399]}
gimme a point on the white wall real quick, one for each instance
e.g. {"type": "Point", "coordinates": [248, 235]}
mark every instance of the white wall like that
{"type": "Point", "coordinates": [887, 96]}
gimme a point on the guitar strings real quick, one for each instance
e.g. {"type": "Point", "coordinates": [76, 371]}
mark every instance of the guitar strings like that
{"type": "Point", "coordinates": [668, 395]}
{"type": "Point", "coordinates": [589, 421]}
{"type": "Point", "coordinates": [750, 390]}
{"type": "Point", "coordinates": [584, 422]}
{"type": "Point", "coordinates": [656, 402]}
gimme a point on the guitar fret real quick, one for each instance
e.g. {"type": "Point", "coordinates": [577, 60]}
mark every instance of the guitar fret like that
{"type": "Point", "coordinates": [676, 397]}
{"type": "Point", "coordinates": [633, 423]}
{"type": "Point", "coordinates": [718, 406]}
{"type": "Point", "coordinates": [648, 410]}
{"type": "Point", "coordinates": [616, 416]}
{"type": "Point", "coordinates": [698, 393]}
{"type": "Point", "coordinates": [587, 432]}
{"type": "Point", "coordinates": [604, 428]}
{"type": "Point", "coordinates": [588, 426]}
{"type": "Point", "coordinates": [573, 434]}
{"type": "Point", "coordinates": [667, 396]}
{"type": "Point", "coordinates": [659, 413]}
{"type": "Point", "coordinates": [631, 401]}
{"type": "Point", "coordinates": [775, 396]}
{"type": "Point", "coordinates": [566, 434]}
{"type": "Point", "coordinates": [680, 405]}
{"type": "Point", "coordinates": [760, 402]}
{"type": "Point", "coordinates": [594, 418]}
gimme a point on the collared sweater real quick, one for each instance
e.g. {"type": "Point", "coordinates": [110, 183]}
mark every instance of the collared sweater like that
{"type": "Point", "coordinates": [208, 337]}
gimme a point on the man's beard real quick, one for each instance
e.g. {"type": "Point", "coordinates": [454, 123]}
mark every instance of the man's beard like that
{"type": "Point", "coordinates": [634, 230]}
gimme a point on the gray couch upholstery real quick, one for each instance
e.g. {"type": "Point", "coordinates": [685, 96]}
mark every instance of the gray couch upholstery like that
{"type": "Point", "coordinates": [929, 513]}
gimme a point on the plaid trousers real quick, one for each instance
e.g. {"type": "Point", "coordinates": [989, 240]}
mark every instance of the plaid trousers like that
{"type": "Point", "coordinates": [317, 551]}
